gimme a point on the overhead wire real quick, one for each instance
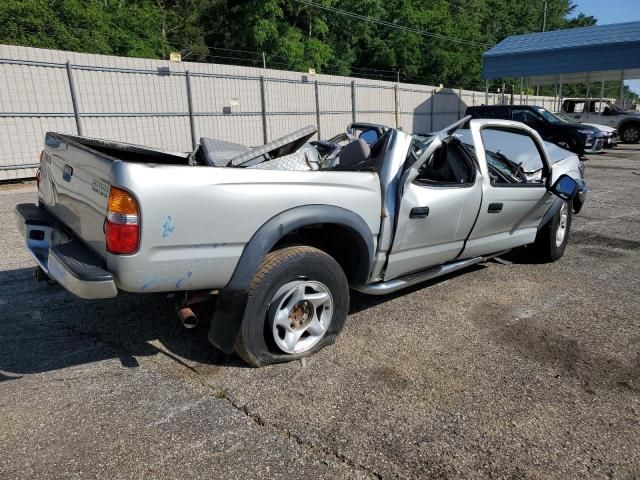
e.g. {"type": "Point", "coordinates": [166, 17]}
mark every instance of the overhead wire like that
{"type": "Point", "coordinates": [397, 26]}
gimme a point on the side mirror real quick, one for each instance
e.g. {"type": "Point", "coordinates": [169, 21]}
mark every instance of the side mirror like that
{"type": "Point", "coordinates": [565, 187]}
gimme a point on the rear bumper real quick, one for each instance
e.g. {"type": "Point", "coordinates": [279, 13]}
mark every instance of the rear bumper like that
{"type": "Point", "coordinates": [63, 258]}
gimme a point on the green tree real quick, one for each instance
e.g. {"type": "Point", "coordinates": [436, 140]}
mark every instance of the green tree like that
{"type": "Point", "coordinates": [292, 34]}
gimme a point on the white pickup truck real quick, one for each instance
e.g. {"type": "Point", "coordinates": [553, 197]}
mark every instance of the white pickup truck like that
{"type": "Point", "coordinates": [597, 111]}
{"type": "Point", "coordinates": [281, 233]}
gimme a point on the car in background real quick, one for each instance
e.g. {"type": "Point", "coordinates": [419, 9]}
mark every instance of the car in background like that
{"type": "Point", "coordinates": [609, 134]}
{"type": "Point", "coordinates": [594, 110]}
{"type": "Point", "coordinates": [577, 138]}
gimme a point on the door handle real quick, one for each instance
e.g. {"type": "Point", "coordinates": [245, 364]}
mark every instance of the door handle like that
{"type": "Point", "coordinates": [419, 212]}
{"type": "Point", "coordinates": [495, 208]}
{"type": "Point", "coordinates": [67, 172]}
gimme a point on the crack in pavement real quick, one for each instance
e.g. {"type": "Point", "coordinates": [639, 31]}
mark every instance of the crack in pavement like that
{"type": "Point", "coordinates": [257, 419]}
{"type": "Point", "coordinates": [306, 444]}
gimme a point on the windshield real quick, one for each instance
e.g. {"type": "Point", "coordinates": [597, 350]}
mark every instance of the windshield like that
{"type": "Point", "coordinates": [608, 104]}
{"type": "Point", "coordinates": [566, 118]}
{"type": "Point", "coordinates": [501, 169]}
{"type": "Point", "coordinates": [548, 116]}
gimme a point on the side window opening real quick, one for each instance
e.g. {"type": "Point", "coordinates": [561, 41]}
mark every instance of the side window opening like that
{"type": "Point", "coordinates": [497, 112]}
{"type": "Point", "coordinates": [574, 107]}
{"type": "Point", "coordinates": [524, 116]}
{"type": "Point", "coordinates": [449, 165]}
{"type": "Point", "coordinates": [512, 158]}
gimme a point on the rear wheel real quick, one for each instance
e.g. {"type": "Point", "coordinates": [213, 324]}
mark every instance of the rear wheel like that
{"type": "Point", "coordinates": [630, 133]}
{"type": "Point", "coordinates": [552, 239]}
{"type": "Point", "coordinates": [297, 304]}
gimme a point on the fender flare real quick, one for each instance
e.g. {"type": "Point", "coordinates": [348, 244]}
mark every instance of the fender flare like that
{"type": "Point", "coordinates": [550, 213]}
{"type": "Point", "coordinates": [232, 300]}
{"type": "Point", "coordinates": [577, 202]}
{"type": "Point", "coordinates": [626, 120]}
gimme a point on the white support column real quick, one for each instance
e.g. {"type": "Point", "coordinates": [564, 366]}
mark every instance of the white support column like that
{"type": "Point", "coordinates": [601, 96]}
{"type": "Point", "coordinates": [621, 99]}
{"type": "Point", "coordinates": [588, 85]}
{"type": "Point", "coordinates": [560, 95]}
{"type": "Point", "coordinates": [521, 89]}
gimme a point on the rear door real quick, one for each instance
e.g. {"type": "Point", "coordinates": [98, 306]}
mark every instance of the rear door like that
{"type": "Point", "coordinates": [74, 187]}
{"type": "Point", "coordinates": [515, 169]}
{"type": "Point", "coordinates": [575, 109]}
{"type": "Point", "coordinates": [600, 112]}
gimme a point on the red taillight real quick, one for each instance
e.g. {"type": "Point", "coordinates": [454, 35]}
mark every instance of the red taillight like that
{"type": "Point", "coordinates": [122, 229]}
{"type": "Point", "coordinates": [121, 239]}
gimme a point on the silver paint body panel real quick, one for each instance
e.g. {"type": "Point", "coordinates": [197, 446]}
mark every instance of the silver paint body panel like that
{"type": "Point", "coordinates": [196, 220]}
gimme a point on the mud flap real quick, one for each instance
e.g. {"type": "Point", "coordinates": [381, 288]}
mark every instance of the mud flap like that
{"type": "Point", "coordinates": [227, 320]}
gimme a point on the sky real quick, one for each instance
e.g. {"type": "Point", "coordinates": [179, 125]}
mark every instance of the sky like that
{"type": "Point", "coordinates": [612, 11]}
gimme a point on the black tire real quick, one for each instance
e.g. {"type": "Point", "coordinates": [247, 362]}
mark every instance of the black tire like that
{"type": "Point", "coordinates": [256, 344]}
{"type": "Point", "coordinates": [567, 144]}
{"type": "Point", "coordinates": [545, 248]}
{"type": "Point", "coordinates": [630, 133]}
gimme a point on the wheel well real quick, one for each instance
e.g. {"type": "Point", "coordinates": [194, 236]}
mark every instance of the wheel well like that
{"type": "Point", "coordinates": [338, 241]}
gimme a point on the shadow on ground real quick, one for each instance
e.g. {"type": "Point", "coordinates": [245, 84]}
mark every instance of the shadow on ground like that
{"type": "Point", "coordinates": [51, 329]}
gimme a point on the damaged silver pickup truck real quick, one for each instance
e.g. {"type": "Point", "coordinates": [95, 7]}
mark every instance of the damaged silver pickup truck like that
{"type": "Point", "coordinates": [282, 232]}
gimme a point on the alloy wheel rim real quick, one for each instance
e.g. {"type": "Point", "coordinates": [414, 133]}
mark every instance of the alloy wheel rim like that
{"type": "Point", "coordinates": [631, 134]}
{"type": "Point", "coordinates": [300, 313]}
{"type": "Point", "coordinates": [562, 224]}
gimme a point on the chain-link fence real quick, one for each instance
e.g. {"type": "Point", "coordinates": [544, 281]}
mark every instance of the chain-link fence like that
{"type": "Point", "coordinates": [171, 105]}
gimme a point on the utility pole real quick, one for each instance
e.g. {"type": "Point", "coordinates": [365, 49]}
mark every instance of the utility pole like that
{"type": "Point", "coordinates": [264, 61]}
{"type": "Point", "coordinates": [544, 16]}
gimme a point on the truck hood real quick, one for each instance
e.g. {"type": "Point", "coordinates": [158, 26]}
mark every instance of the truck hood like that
{"type": "Point", "coordinates": [603, 128]}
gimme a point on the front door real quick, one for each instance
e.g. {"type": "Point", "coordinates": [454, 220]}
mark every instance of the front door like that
{"type": "Point", "coordinates": [600, 112]}
{"type": "Point", "coordinates": [514, 189]}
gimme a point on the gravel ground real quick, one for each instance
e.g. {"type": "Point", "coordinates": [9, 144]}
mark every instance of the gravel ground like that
{"type": "Point", "coordinates": [505, 371]}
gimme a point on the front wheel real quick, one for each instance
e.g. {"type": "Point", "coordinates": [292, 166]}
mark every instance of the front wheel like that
{"type": "Point", "coordinates": [298, 303]}
{"type": "Point", "coordinates": [630, 133]}
{"type": "Point", "coordinates": [567, 144]}
{"type": "Point", "coordinates": [552, 239]}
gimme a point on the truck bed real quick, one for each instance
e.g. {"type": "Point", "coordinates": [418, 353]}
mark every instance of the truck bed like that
{"type": "Point", "coordinates": [190, 233]}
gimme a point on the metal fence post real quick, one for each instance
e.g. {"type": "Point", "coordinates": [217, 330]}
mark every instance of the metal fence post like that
{"type": "Point", "coordinates": [473, 98]}
{"type": "Point", "coordinates": [74, 98]}
{"type": "Point", "coordinates": [317, 89]}
{"type": "Point", "coordinates": [433, 99]}
{"type": "Point", "coordinates": [397, 101]}
{"type": "Point", "coordinates": [192, 120]}
{"type": "Point", "coordinates": [459, 101]}
{"type": "Point", "coordinates": [353, 101]}
{"type": "Point", "coordinates": [263, 99]}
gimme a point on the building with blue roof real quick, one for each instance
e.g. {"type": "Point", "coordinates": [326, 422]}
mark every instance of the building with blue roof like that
{"type": "Point", "coordinates": [609, 50]}
{"type": "Point", "coordinates": [588, 54]}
